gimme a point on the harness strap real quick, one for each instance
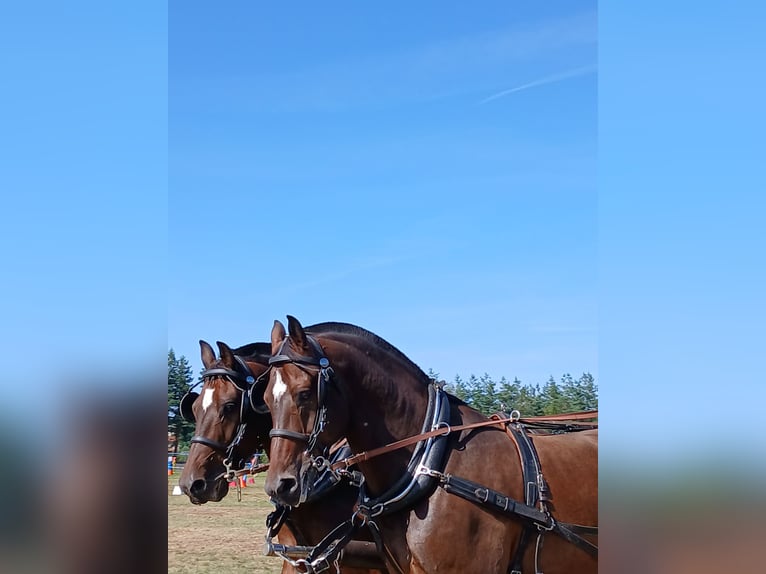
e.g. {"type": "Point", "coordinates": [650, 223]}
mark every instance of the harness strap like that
{"type": "Point", "coordinates": [292, 435]}
{"type": "Point", "coordinates": [275, 520]}
{"type": "Point", "coordinates": [252, 470]}
{"type": "Point", "coordinates": [580, 415]}
{"type": "Point", "coordinates": [383, 550]}
{"type": "Point", "coordinates": [488, 497]}
{"type": "Point", "coordinates": [518, 557]}
{"type": "Point", "coordinates": [569, 532]}
{"type": "Point", "coordinates": [532, 480]}
{"type": "Point", "coordinates": [214, 444]}
{"type": "Point", "coordinates": [287, 355]}
{"type": "Point", "coordinates": [497, 501]}
{"type": "Point", "coordinates": [328, 550]}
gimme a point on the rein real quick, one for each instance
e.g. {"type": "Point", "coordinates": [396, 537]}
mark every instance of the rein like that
{"type": "Point", "coordinates": [446, 430]}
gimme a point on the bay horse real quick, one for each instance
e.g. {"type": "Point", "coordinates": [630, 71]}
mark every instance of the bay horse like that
{"type": "Point", "coordinates": [336, 380]}
{"type": "Point", "coordinates": [217, 411]}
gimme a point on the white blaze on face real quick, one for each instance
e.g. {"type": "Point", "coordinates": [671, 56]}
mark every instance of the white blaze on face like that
{"type": "Point", "coordinates": [207, 398]}
{"type": "Point", "coordinates": [279, 387]}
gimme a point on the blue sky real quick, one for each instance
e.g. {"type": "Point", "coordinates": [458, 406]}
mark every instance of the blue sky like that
{"type": "Point", "coordinates": [426, 172]}
{"type": "Point", "coordinates": [84, 180]}
{"type": "Point", "coordinates": [196, 174]}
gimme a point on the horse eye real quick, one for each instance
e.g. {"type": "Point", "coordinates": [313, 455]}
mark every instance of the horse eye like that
{"type": "Point", "coordinates": [304, 397]}
{"type": "Point", "coordinates": [229, 408]}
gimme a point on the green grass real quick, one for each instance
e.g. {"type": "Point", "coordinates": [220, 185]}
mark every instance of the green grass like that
{"type": "Point", "coordinates": [226, 536]}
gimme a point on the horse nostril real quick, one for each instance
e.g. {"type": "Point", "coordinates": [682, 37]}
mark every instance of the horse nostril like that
{"type": "Point", "coordinates": [286, 486]}
{"type": "Point", "coordinates": [197, 487]}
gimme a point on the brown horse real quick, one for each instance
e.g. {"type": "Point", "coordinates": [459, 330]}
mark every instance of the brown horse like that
{"type": "Point", "coordinates": [333, 380]}
{"type": "Point", "coordinates": [217, 412]}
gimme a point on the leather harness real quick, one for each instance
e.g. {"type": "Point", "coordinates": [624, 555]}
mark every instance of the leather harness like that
{"type": "Point", "coordinates": [425, 472]}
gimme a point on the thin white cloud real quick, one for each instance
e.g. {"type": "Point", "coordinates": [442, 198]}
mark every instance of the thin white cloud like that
{"type": "Point", "coordinates": [442, 67]}
{"type": "Point", "coordinates": [561, 76]}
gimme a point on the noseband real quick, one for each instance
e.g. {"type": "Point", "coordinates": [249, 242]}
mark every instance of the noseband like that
{"type": "Point", "coordinates": [285, 355]}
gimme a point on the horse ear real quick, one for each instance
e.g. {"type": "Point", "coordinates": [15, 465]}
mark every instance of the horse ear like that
{"type": "Point", "coordinates": [278, 335]}
{"type": "Point", "coordinates": [296, 332]}
{"type": "Point", "coordinates": [207, 353]}
{"type": "Point", "coordinates": [227, 355]}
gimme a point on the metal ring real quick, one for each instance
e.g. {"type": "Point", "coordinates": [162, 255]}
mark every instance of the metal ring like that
{"type": "Point", "coordinates": [515, 415]}
{"type": "Point", "coordinates": [443, 425]}
{"type": "Point", "coordinates": [548, 528]}
{"type": "Point", "coordinates": [358, 514]}
{"type": "Point", "coordinates": [376, 510]}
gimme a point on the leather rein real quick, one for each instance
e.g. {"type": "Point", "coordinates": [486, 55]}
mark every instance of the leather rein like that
{"type": "Point", "coordinates": [443, 431]}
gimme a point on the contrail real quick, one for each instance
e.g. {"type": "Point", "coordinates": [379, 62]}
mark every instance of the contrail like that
{"type": "Point", "coordinates": [543, 81]}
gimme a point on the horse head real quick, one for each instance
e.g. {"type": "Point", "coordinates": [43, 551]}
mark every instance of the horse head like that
{"type": "Point", "coordinates": [231, 420]}
{"type": "Point", "coordinates": [298, 393]}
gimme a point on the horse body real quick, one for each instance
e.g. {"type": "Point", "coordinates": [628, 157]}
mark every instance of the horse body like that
{"type": "Point", "coordinates": [202, 478]}
{"type": "Point", "coordinates": [378, 396]}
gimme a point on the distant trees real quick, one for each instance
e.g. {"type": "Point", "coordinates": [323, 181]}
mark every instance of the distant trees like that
{"type": "Point", "coordinates": [180, 379]}
{"type": "Point", "coordinates": [489, 396]}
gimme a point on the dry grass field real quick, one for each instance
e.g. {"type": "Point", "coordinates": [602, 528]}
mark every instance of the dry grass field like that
{"type": "Point", "coordinates": [219, 537]}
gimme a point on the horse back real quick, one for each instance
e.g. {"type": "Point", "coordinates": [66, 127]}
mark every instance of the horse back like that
{"type": "Point", "coordinates": [569, 463]}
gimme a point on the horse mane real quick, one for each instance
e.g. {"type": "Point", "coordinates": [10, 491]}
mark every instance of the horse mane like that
{"type": "Point", "coordinates": [256, 352]}
{"type": "Point", "coordinates": [349, 329]}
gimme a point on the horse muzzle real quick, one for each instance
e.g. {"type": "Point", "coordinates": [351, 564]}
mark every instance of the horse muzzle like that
{"type": "Point", "coordinates": [201, 490]}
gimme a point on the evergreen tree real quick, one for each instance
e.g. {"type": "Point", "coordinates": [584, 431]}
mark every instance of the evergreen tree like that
{"type": "Point", "coordinates": [180, 379]}
{"type": "Point", "coordinates": [489, 397]}
{"type": "Point", "coordinates": [485, 396]}
{"type": "Point", "coordinates": [553, 400]}
{"type": "Point", "coordinates": [472, 386]}
{"type": "Point", "coordinates": [508, 395]}
{"type": "Point", "coordinates": [459, 388]}
{"type": "Point", "coordinates": [588, 391]}
{"type": "Point", "coordinates": [529, 403]}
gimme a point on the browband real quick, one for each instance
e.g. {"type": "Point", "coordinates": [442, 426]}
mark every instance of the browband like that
{"type": "Point", "coordinates": [242, 382]}
{"type": "Point", "coordinates": [283, 355]}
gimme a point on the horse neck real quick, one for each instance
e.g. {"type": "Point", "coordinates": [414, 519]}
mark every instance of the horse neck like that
{"type": "Point", "coordinates": [387, 402]}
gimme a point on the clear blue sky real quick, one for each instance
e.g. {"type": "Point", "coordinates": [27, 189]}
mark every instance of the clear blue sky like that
{"type": "Point", "coordinates": [426, 171]}
{"type": "Point", "coordinates": [352, 164]}
{"type": "Point", "coordinates": [83, 174]}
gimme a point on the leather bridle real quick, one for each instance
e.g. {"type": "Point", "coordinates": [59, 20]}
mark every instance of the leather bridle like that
{"type": "Point", "coordinates": [245, 382]}
{"type": "Point", "coordinates": [285, 355]}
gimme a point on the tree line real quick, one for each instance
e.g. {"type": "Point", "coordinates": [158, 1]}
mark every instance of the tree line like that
{"type": "Point", "coordinates": [482, 393]}
{"type": "Point", "coordinates": [552, 397]}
